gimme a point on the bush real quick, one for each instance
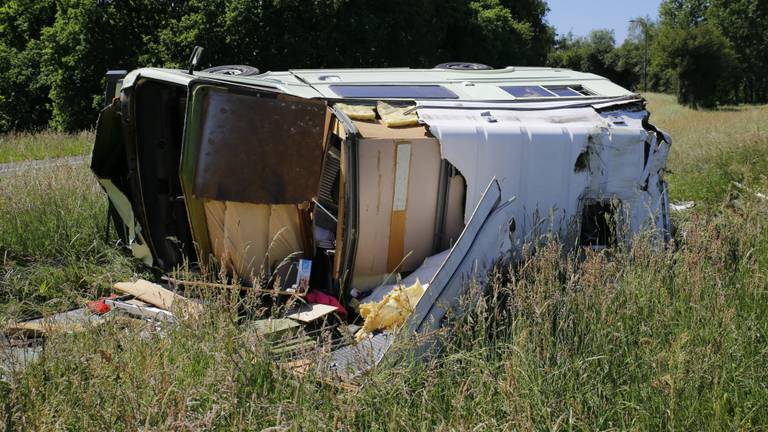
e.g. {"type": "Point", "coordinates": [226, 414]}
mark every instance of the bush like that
{"type": "Point", "coordinates": [702, 61]}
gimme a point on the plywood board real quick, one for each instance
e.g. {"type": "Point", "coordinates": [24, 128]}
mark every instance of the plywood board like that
{"type": "Point", "coordinates": [454, 211]}
{"type": "Point", "coordinates": [412, 215]}
{"type": "Point", "coordinates": [156, 295]}
{"type": "Point", "coordinates": [311, 312]}
{"type": "Point", "coordinates": [376, 192]}
{"type": "Point", "coordinates": [374, 129]}
{"type": "Point", "coordinates": [421, 213]}
{"type": "Point", "coordinates": [242, 234]}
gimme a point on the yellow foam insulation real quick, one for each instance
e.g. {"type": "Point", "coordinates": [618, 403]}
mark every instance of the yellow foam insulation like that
{"type": "Point", "coordinates": [395, 116]}
{"type": "Point", "coordinates": [391, 312]}
{"type": "Point", "coordinates": [357, 112]}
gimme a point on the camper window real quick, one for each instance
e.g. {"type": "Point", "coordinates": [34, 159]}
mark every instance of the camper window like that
{"type": "Point", "coordinates": [527, 91]}
{"type": "Point", "coordinates": [393, 91]}
{"type": "Point", "coordinates": [547, 92]}
{"type": "Point", "coordinates": [569, 91]}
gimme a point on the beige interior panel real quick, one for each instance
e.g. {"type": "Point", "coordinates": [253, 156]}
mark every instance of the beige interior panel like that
{"type": "Point", "coordinates": [454, 217]}
{"type": "Point", "coordinates": [376, 191]}
{"type": "Point", "coordinates": [284, 232]}
{"type": "Point", "coordinates": [247, 234]}
{"type": "Point", "coordinates": [242, 234]}
{"type": "Point", "coordinates": [214, 217]}
{"type": "Point", "coordinates": [422, 202]}
{"type": "Point", "coordinates": [377, 171]}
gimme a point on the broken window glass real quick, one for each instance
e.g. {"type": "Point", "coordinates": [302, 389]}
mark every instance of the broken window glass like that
{"type": "Point", "coordinates": [527, 91]}
{"type": "Point", "coordinates": [563, 91]}
{"type": "Point", "coordinates": [581, 90]}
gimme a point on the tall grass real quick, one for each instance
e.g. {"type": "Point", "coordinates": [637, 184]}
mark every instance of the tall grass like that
{"type": "Point", "coordinates": [641, 339]}
{"type": "Point", "coordinates": [23, 146]}
{"type": "Point", "coordinates": [53, 248]}
{"type": "Point", "coordinates": [712, 149]}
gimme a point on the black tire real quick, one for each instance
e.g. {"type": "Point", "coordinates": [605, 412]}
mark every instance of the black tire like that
{"type": "Point", "coordinates": [463, 66]}
{"type": "Point", "coordinates": [236, 70]}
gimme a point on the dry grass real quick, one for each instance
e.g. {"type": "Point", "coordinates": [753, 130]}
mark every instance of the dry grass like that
{"type": "Point", "coordinates": [646, 339]}
{"type": "Point", "coordinates": [712, 148]}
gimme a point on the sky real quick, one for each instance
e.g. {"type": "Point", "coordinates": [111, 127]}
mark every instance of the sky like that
{"type": "Point", "coordinates": [582, 16]}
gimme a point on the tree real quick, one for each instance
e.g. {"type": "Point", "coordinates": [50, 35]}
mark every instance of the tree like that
{"type": "Point", "coordinates": [360, 33]}
{"type": "Point", "coordinates": [54, 53]}
{"type": "Point", "coordinates": [86, 39]}
{"type": "Point", "coordinates": [596, 53]}
{"type": "Point", "coordinates": [701, 59]}
{"type": "Point", "coordinates": [23, 97]}
{"type": "Point", "coordinates": [745, 24]}
{"type": "Point", "coordinates": [740, 27]}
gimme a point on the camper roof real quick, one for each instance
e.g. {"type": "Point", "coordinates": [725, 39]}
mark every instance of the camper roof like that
{"type": "Point", "coordinates": [508, 84]}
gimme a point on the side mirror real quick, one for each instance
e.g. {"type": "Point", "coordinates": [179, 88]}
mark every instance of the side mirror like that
{"type": "Point", "coordinates": [197, 52]}
{"type": "Point", "coordinates": [111, 88]}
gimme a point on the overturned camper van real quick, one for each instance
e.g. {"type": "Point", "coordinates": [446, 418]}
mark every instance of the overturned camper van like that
{"type": "Point", "coordinates": [372, 175]}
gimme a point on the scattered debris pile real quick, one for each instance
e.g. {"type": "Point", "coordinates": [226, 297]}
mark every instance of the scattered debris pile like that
{"type": "Point", "coordinates": [312, 324]}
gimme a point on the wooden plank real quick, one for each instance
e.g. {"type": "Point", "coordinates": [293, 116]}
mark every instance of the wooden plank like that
{"type": "Point", "coordinates": [311, 312]}
{"type": "Point", "coordinates": [156, 295]}
{"type": "Point", "coordinates": [236, 287]}
{"type": "Point", "coordinates": [341, 223]}
{"type": "Point", "coordinates": [40, 327]}
{"type": "Point", "coordinates": [396, 240]}
{"type": "Point", "coordinates": [64, 322]}
{"type": "Point", "coordinates": [399, 206]}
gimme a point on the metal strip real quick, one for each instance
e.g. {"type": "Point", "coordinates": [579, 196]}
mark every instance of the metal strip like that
{"type": "Point", "coordinates": [402, 170]}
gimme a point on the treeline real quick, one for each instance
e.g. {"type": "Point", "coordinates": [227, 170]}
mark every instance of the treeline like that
{"type": "Point", "coordinates": [707, 52]}
{"type": "Point", "coordinates": [54, 53]}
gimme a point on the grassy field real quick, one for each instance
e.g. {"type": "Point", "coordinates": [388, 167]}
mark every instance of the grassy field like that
{"type": "Point", "coordinates": [638, 340]}
{"type": "Point", "coordinates": [17, 147]}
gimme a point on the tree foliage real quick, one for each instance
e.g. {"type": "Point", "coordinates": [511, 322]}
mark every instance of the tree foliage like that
{"type": "Point", "coordinates": [716, 49]}
{"type": "Point", "coordinates": [701, 61]}
{"type": "Point", "coordinates": [708, 52]}
{"type": "Point", "coordinates": [596, 53]}
{"type": "Point", "coordinates": [54, 53]}
{"type": "Point", "coordinates": [23, 95]}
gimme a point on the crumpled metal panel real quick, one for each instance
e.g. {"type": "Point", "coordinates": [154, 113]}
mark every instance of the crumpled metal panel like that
{"type": "Point", "coordinates": [555, 160]}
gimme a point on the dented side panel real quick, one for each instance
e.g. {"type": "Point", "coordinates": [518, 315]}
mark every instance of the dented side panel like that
{"type": "Point", "coordinates": [556, 161]}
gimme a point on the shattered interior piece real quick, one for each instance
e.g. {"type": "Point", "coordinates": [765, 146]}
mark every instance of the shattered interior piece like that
{"type": "Point", "coordinates": [392, 311]}
{"type": "Point", "coordinates": [357, 112]}
{"type": "Point", "coordinates": [397, 116]}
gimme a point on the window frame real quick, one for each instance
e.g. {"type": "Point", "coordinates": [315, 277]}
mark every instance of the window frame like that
{"type": "Point", "coordinates": [338, 89]}
{"type": "Point", "coordinates": [578, 89]}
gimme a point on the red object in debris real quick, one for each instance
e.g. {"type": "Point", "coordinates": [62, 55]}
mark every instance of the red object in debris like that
{"type": "Point", "coordinates": [320, 297]}
{"type": "Point", "coordinates": [98, 306]}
